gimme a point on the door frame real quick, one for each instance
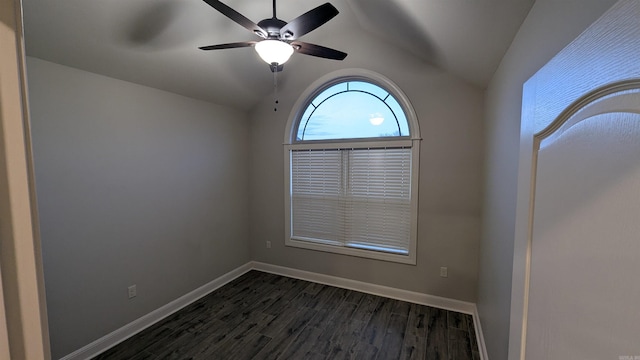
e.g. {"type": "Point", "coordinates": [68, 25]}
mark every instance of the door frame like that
{"type": "Point", "coordinates": [24, 332]}
{"type": "Point", "coordinates": [537, 124]}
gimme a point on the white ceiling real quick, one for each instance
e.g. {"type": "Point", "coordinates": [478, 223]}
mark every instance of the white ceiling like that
{"type": "Point", "coordinates": [155, 42]}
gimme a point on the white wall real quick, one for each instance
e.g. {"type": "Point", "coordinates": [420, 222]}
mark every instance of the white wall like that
{"type": "Point", "coordinates": [135, 186]}
{"type": "Point", "coordinates": [550, 25]}
{"type": "Point", "coordinates": [450, 116]}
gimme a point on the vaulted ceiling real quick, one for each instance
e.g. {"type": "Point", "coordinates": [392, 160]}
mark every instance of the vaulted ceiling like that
{"type": "Point", "coordinates": [155, 42]}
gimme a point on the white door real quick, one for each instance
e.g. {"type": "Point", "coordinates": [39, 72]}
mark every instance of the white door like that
{"type": "Point", "coordinates": [581, 215]}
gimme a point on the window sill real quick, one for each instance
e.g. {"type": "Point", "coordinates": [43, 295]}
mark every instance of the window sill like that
{"type": "Point", "coordinates": [369, 254]}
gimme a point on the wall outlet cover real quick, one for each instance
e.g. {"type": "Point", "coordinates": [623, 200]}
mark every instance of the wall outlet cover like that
{"type": "Point", "coordinates": [133, 292]}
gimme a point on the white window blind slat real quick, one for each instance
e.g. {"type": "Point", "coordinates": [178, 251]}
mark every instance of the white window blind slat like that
{"type": "Point", "coordinates": [379, 199]}
{"type": "Point", "coordinates": [316, 195]}
{"type": "Point", "coordinates": [352, 197]}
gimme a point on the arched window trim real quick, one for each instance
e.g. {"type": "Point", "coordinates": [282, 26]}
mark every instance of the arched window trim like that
{"type": "Point", "coordinates": [412, 141]}
{"type": "Point", "coordinates": [341, 76]}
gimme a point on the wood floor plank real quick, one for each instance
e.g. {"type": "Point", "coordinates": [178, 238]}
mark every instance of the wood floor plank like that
{"type": "Point", "coordinates": [335, 298]}
{"type": "Point", "coordinates": [240, 303]}
{"type": "Point", "coordinates": [391, 346]}
{"type": "Point", "coordinates": [290, 291]}
{"type": "Point", "coordinates": [314, 288]}
{"type": "Point", "coordinates": [400, 307]}
{"type": "Point", "coordinates": [376, 328]}
{"type": "Point", "coordinates": [336, 329]}
{"type": "Point", "coordinates": [459, 345]}
{"type": "Point", "coordinates": [266, 316]}
{"type": "Point", "coordinates": [245, 329]}
{"type": "Point", "coordinates": [247, 349]}
{"type": "Point", "coordinates": [284, 337]}
{"type": "Point", "coordinates": [347, 346]}
{"type": "Point", "coordinates": [329, 320]}
{"type": "Point", "coordinates": [474, 342]}
{"type": "Point", "coordinates": [366, 308]}
{"type": "Point", "coordinates": [241, 342]}
{"type": "Point", "coordinates": [314, 356]}
{"type": "Point", "coordinates": [413, 348]}
{"type": "Point", "coordinates": [274, 349]}
{"type": "Point", "coordinates": [437, 335]}
{"type": "Point", "coordinates": [189, 342]}
{"type": "Point", "coordinates": [458, 320]}
{"type": "Point", "coordinates": [364, 351]}
{"type": "Point", "coordinates": [354, 296]}
{"type": "Point", "coordinates": [302, 344]}
{"type": "Point", "coordinates": [415, 341]}
{"type": "Point", "coordinates": [288, 323]}
{"type": "Point", "coordinates": [314, 300]}
{"type": "Point", "coordinates": [472, 335]}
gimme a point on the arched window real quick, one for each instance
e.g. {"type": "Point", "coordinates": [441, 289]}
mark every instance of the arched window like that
{"type": "Point", "coordinates": [351, 154]}
{"type": "Point", "coordinates": [352, 109]}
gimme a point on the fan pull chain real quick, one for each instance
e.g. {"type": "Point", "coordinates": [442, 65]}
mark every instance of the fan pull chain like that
{"type": "Point", "coordinates": [275, 90]}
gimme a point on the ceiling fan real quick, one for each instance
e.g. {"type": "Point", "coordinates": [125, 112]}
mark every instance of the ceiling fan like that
{"type": "Point", "coordinates": [279, 38]}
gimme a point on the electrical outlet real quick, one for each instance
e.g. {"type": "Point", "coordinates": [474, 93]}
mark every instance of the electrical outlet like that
{"type": "Point", "coordinates": [444, 272]}
{"type": "Point", "coordinates": [132, 291]}
{"type": "Point", "coordinates": [268, 244]}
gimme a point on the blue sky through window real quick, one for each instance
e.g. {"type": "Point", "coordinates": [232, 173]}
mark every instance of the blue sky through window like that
{"type": "Point", "coordinates": [352, 110]}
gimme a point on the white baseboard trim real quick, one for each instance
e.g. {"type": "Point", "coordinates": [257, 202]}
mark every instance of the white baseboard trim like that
{"type": "Point", "coordinates": [479, 335]}
{"type": "Point", "coordinates": [108, 341]}
{"type": "Point", "coordinates": [393, 293]}
{"type": "Point", "coordinates": [134, 327]}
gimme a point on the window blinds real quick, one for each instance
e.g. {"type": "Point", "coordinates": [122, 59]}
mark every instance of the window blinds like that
{"type": "Point", "coordinates": [357, 198]}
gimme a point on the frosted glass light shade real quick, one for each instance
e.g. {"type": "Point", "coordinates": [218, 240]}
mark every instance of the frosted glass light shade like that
{"type": "Point", "coordinates": [274, 51]}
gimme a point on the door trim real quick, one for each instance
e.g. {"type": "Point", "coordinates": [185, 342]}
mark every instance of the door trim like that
{"type": "Point", "coordinates": [25, 327]}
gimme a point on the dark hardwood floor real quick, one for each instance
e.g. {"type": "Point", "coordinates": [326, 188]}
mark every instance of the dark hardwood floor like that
{"type": "Point", "coordinates": [266, 316]}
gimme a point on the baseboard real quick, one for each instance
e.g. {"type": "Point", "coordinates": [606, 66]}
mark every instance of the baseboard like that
{"type": "Point", "coordinates": [134, 327]}
{"type": "Point", "coordinates": [393, 293]}
{"type": "Point", "coordinates": [108, 341]}
{"type": "Point", "coordinates": [479, 335]}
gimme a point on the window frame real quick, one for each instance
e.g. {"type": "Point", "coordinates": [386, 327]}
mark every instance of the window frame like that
{"type": "Point", "coordinates": [412, 141]}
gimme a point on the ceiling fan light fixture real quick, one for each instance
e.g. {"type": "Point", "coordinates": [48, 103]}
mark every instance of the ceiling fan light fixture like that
{"type": "Point", "coordinates": [274, 51]}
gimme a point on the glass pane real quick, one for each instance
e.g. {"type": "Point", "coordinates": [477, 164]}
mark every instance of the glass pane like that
{"type": "Point", "coordinates": [369, 88]}
{"type": "Point", "coordinates": [328, 92]}
{"type": "Point", "coordinates": [351, 115]}
{"type": "Point", "coordinates": [402, 119]}
{"type": "Point", "coordinates": [303, 121]}
{"type": "Point", "coordinates": [352, 110]}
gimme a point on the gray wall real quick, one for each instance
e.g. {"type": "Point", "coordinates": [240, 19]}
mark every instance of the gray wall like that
{"type": "Point", "coordinates": [135, 186]}
{"type": "Point", "coordinates": [450, 115]}
{"type": "Point", "coordinates": [550, 26]}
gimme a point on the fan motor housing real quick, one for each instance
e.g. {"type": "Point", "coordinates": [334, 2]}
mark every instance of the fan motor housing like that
{"type": "Point", "coordinates": [272, 26]}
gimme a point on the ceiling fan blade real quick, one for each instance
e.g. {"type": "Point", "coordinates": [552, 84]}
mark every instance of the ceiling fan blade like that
{"type": "Point", "coordinates": [308, 22]}
{"type": "Point", "coordinates": [317, 50]}
{"type": "Point", "coordinates": [237, 17]}
{"type": "Point", "coordinates": [229, 45]}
